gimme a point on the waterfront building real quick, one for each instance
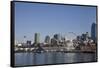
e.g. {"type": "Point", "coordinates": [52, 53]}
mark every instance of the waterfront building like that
{"type": "Point", "coordinates": [83, 37]}
{"type": "Point", "coordinates": [87, 36]}
{"type": "Point", "coordinates": [37, 38]}
{"type": "Point", "coordinates": [63, 39]}
{"type": "Point", "coordinates": [93, 31]}
{"type": "Point", "coordinates": [79, 38]}
{"type": "Point", "coordinates": [70, 45]}
{"type": "Point", "coordinates": [19, 44]}
{"type": "Point", "coordinates": [57, 37]}
{"type": "Point", "coordinates": [16, 42]}
{"type": "Point", "coordinates": [28, 42]}
{"type": "Point", "coordinates": [47, 39]}
{"type": "Point", "coordinates": [54, 42]}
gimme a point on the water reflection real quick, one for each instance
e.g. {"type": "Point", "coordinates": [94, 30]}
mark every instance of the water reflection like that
{"type": "Point", "coordinates": [52, 58]}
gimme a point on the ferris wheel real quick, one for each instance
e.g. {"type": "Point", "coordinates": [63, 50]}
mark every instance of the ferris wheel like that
{"type": "Point", "coordinates": [70, 36]}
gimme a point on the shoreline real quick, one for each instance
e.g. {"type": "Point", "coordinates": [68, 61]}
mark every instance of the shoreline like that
{"type": "Point", "coordinates": [55, 51]}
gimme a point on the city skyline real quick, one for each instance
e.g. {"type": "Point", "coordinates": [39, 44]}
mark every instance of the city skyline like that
{"type": "Point", "coordinates": [50, 19]}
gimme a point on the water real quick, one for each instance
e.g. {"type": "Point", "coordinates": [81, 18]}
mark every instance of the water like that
{"type": "Point", "coordinates": [22, 59]}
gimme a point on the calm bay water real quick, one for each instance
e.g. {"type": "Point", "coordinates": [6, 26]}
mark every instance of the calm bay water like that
{"type": "Point", "coordinates": [22, 59]}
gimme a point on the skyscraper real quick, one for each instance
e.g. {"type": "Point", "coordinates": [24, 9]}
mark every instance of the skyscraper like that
{"type": "Point", "coordinates": [57, 37]}
{"type": "Point", "coordinates": [93, 31]}
{"type": "Point", "coordinates": [37, 38]}
{"type": "Point", "coordinates": [47, 39]}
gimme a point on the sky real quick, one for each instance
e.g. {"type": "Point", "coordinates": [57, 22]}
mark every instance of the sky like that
{"type": "Point", "coordinates": [50, 19]}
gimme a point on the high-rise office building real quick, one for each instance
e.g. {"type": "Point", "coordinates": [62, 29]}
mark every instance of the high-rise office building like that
{"type": "Point", "coordinates": [37, 38]}
{"type": "Point", "coordinates": [57, 37]}
{"type": "Point", "coordinates": [47, 39]}
{"type": "Point", "coordinates": [93, 31]}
